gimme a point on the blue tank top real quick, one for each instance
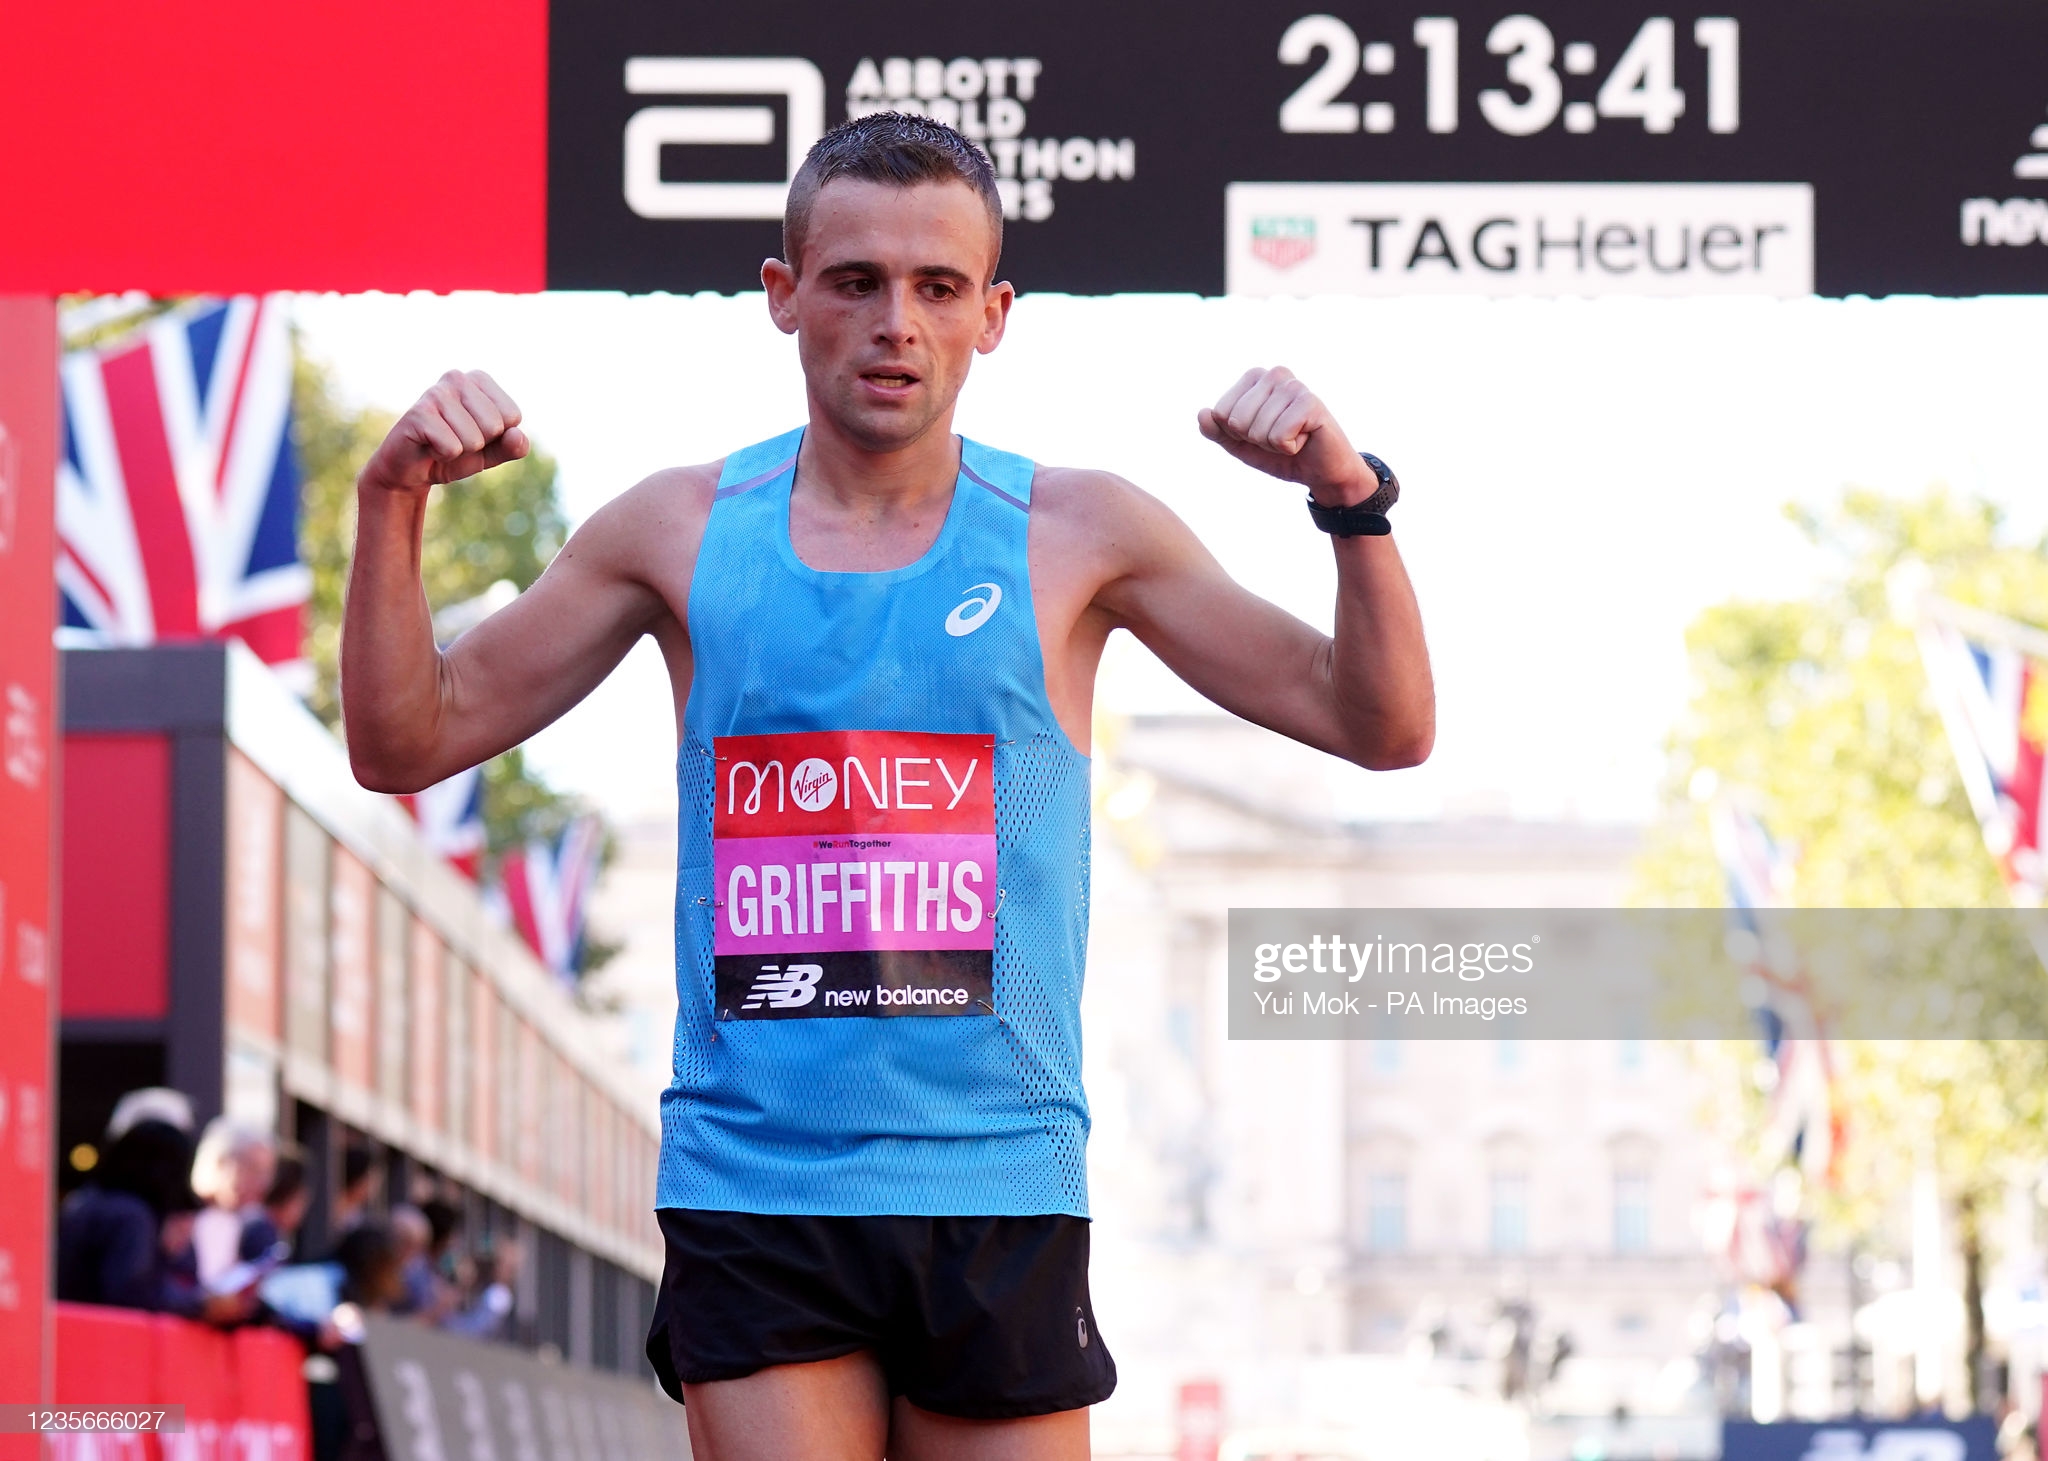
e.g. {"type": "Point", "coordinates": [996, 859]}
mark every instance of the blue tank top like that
{"type": "Point", "coordinates": [882, 890]}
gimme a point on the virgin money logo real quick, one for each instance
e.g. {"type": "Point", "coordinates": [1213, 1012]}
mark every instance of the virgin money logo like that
{"type": "Point", "coordinates": [813, 785]}
{"type": "Point", "coordinates": [822, 786]}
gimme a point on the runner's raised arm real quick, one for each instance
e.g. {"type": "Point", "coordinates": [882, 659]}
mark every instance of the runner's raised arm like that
{"type": "Point", "coordinates": [414, 714]}
{"type": "Point", "coordinates": [1365, 694]}
{"type": "Point", "coordinates": [882, 640]}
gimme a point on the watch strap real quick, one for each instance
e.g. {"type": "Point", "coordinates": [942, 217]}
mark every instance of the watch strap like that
{"type": "Point", "coordinates": [1355, 521]}
{"type": "Point", "coordinates": [1367, 519]}
{"type": "Point", "coordinates": [1389, 491]}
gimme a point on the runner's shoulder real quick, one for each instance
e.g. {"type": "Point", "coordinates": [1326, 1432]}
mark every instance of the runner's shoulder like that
{"type": "Point", "coordinates": [660, 512]}
{"type": "Point", "coordinates": [673, 492]}
{"type": "Point", "coordinates": [1085, 494]}
{"type": "Point", "coordinates": [1099, 505]}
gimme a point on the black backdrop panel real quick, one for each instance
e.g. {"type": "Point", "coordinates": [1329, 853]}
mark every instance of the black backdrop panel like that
{"type": "Point", "coordinates": [1896, 113]}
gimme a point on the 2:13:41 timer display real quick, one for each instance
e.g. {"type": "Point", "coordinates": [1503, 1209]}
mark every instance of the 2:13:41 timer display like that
{"type": "Point", "coordinates": [1640, 86]}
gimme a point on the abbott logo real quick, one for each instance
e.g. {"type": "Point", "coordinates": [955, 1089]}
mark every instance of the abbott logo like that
{"type": "Point", "coordinates": [652, 128]}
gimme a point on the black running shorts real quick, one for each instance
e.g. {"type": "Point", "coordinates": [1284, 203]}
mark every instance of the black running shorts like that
{"type": "Point", "coordinates": [986, 1318]}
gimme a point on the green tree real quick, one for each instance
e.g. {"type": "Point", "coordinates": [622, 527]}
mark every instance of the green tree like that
{"type": "Point", "coordinates": [88, 321]}
{"type": "Point", "coordinates": [1820, 708]}
{"type": "Point", "coordinates": [502, 526]}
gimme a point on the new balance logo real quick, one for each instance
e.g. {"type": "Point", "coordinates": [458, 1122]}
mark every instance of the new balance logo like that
{"type": "Point", "coordinates": [784, 988]}
{"type": "Point", "coordinates": [2034, 165]}
{"type": "Point", "coordinates": [2012, 222]}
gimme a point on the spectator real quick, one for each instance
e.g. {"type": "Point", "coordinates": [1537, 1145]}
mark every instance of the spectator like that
{"type": "Point", "coordinates": [448, 1271]}
{"type": "Point", "coordinates": [445, 1219]}
{"type": "Point", "coordinates": [489, 1311]}
{"type": "Point", "coordinates": [150, 1103]}
{"type": "Point", "coordinates": [412, 1235]}
{"type": "Point", "coordinates": [284, 1210]}
{"type": "Point", "coordinates": [174, 1238]}
{"type": "Point", "coordinates": [231, 1173]}
{"type": "Point", "coordinates": [371, 1276]}
{"type": "Point", "coordinates": [361, 1181]}
{"type": "Point", "coordinates": [119, 1236]}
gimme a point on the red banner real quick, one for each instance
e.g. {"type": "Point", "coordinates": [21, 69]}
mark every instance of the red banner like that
{"type": "Point", "coordinates": [244, 1392]}
{"type": "Point", "coordinates": [239, 146]}
{"type": "Point", "coordinates": [28, 773]}
{"type": "Point", "coordinates": [1198, 1416]}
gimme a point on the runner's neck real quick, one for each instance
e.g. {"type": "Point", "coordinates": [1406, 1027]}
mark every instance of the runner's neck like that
{"type": "Point", "coordinates": [832, 467]}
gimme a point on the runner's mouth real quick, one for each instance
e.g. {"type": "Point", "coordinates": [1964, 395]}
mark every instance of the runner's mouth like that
{"type": "Point", "coordinates": [890, 379]}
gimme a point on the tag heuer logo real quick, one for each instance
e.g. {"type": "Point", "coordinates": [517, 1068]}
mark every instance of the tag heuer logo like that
{"type": "Point", "coordinates": [1283, 242]}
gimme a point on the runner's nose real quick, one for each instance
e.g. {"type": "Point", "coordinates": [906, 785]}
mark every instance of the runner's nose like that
{"type": "Point", "coordinates": [897, 323]}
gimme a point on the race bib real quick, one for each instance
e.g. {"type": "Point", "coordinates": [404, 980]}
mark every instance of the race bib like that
{"type": "Point", "coordinates": [856, 875]}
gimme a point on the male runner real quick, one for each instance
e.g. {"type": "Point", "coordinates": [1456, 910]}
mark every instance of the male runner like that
{"type": "Point", "coordinates": [883, 641]}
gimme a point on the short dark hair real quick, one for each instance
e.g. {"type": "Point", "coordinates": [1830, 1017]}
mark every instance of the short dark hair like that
{"type": "Point", "coordinates": [151, 1160]}
{"type": "Point", "coordinates": [895, 148]}
{"type": "Point", "coordinates": [444, 1220]}
{"type": "Point", "coordinates": [288, 1181]}
{"type": "Point", "coordinates": [368, 1256]}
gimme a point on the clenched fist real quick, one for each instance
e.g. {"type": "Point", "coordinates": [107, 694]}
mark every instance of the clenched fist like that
{"type": "Point", "coordinates": [464, 424]}
{"type": "Point", "coordinates": [1271, 421]}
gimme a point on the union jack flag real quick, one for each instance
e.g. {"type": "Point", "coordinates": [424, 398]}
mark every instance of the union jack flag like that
{"type": "Point", "coordinates": [1993, 700]}
{"type": "Point", "coordinates": [1805, 1123]}
{"type": "Point", "coordinates": [178, 488]}
{"type": "Point", "coordinates": [1758, 868]}
{"type": "Point", "coordinates": [546, 887]}
{"type": "Point", "coordinates": [1764, 1246]}
{"type": "Point", "coordinates": [450, 815]}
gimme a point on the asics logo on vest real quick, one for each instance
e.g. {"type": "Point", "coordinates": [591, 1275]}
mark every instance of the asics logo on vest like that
{"type": "Point", "coordinates": [785, 988]}
{"type": "Point", "coordinates": [974, 612]}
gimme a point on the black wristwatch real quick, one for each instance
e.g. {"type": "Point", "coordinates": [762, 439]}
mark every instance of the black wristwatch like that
{"type": "Point", "coordinates": [1367, 519]}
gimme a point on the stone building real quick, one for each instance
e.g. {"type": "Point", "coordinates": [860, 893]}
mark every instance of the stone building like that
{"type": "Point", "coordinates": [1469, 1201]}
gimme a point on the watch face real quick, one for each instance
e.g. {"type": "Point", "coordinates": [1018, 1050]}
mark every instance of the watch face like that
{"type": "Point", "coordinates": [1389, 489]}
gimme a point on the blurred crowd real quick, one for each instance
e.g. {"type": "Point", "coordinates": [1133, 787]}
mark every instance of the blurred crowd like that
{"type": "Point", "coordinates": [207, 1225]}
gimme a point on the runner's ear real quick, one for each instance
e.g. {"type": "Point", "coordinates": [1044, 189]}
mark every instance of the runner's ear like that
{"type": "Point", "coordinates": [780, 281]}
{"type": "Point", "coordinates": [996, 302]}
